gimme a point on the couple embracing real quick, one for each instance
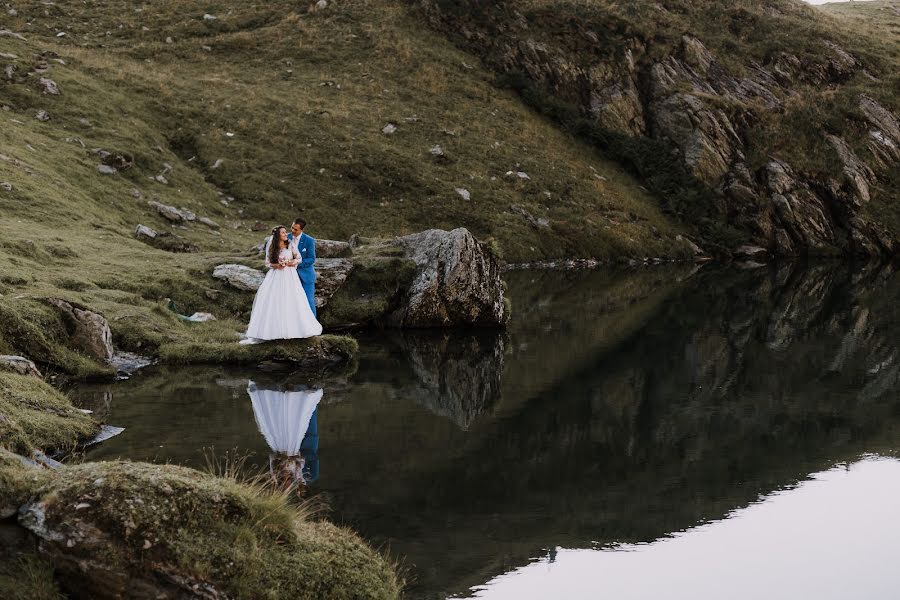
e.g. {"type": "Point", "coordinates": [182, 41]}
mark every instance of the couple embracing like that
{"type": "Point", "coordinates": [285, 304]}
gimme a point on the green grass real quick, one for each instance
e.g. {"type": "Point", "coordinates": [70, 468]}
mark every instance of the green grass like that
{"type": "Point", "coordinates": [305, 95]}
{"type": "Point", "coordinates": [34, 415]}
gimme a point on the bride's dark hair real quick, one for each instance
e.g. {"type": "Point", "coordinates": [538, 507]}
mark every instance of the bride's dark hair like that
{"type": "Point", "coordinates": [275, 244]}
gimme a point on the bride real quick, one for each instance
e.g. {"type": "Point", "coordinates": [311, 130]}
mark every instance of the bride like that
{"type": "Point", "coordinates": [280, 309]}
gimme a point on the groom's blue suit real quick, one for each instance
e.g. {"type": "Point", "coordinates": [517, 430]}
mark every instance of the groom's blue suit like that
{"type": "Point", "coordinates": [306, 247]}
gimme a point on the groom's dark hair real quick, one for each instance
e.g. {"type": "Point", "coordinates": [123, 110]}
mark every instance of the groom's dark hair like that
{"type": "Point", "coordinates": [301, 222]}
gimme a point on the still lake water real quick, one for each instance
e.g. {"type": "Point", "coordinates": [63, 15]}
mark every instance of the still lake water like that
{"type": "Point", "coordinates": [663, 433]}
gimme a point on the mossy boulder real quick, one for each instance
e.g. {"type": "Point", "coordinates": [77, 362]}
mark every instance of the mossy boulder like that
{"type": "Point", "coordinates": [34, 415]}
{"type": "Point", "coordinates": [137, 530]}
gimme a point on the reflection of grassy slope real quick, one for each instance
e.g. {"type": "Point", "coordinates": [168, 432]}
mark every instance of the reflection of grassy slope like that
{"type": "Point", "coordinates": [564, 321]}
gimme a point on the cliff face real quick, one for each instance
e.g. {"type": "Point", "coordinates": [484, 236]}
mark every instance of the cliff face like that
{"type": "Point", "coordinates": [765, 125]}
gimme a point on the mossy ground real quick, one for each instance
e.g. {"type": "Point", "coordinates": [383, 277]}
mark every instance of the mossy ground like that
{"type": "Point", "coordinates": [247, 540]}
{"type": "Point", "coordinates": [34, 415]}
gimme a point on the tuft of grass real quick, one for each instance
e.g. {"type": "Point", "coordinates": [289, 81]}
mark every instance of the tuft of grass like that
{"type": "Point", "coordinates": [29, 577]}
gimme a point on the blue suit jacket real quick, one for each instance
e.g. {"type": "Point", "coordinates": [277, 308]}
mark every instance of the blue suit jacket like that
{"type": "Point", "coordinates": [306, 247]}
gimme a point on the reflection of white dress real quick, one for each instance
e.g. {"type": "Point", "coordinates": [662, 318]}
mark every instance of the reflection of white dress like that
{"type": "Point", "coordinates": [280, 309]}
{"type": "Point", "coordinates": [283, 417]}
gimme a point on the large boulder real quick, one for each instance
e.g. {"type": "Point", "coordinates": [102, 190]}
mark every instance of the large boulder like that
{"type": "Point", "coordinates": [332, 249]}
{"type": "Point", "coordinates": [88, 331]}
{"type": "Point", "coordinates": [457, 282]}
{"type": "Point", "coordinates": [141, 531]}
{"type": "Point", "coordinates": [331, 274]}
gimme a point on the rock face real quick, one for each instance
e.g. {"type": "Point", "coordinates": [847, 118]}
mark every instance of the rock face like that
{"type": "Point", "coordinates": [458, 282]}
{"type": "Point", "coordinates": [676, 101]}
{"type": "Point", "coordinates": [88, 331]}
{"type": "Point", "coordinates": [19, 365]}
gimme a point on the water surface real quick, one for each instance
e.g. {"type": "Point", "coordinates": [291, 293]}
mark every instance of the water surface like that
{"type": "Point", "coordinates": [671, 432]}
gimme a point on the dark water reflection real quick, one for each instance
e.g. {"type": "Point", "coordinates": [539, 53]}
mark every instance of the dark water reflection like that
{"type": "Point", "coordinates": [617, 408]}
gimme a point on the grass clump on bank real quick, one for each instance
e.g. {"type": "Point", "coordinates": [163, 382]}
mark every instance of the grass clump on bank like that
{"type": "Point", "coordinates": [34, 415]}
{"type": "Point", "coordinates": [242, 540]}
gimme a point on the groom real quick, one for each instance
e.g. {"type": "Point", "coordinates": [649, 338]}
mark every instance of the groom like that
{"type": "Point", "coordinates": [306, 248]}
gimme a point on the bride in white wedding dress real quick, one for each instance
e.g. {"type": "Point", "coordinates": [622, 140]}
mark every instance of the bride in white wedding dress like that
{"type": "Point", "coordinates": [280, 309]}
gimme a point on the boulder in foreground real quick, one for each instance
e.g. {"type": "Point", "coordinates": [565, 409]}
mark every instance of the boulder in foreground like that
{"type": "Point", "coordinates": [141, 531]}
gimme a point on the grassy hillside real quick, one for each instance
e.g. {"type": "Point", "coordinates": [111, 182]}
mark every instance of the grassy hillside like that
{"type": "Point", "coordinates": [254, 117]}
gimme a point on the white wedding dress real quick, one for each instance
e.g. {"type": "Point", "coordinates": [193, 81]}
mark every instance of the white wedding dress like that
{"type": "Point", "coordinates": [283, 417]}
{"type": "Point", "coordinates": [280, 309]}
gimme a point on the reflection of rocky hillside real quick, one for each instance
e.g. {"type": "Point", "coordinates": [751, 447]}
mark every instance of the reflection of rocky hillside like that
{"type": "Point", "coordinates": [729, 391]}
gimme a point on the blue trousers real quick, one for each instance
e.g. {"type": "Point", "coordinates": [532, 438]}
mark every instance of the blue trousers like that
{"type": "Point", "coordinates": [310, 289]}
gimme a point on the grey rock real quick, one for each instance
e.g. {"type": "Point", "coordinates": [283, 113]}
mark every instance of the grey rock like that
{"type": "Point", "coordinates": [48, 86]}
{"type": "Point", "coordinates": [142, 232]}
{"type": "Point", "coordinates": [209, 222]}
{"type": "Point", "coordinates": [106, 170]}
{"type": "Point", "coordinates": [217, 164]}
{"type": "Point", "coordinates": [6, 186]}
{"type": "Point", "coordinates": [170, 213]}
{"type": "Point", "coordinates": [457, 282]}
{"type": "Point", "coordinates": [332, 249]}
{"type": "Point", "coordinates": [322, 4]}
{"type": "Point", "coordinates": [19, 365]}
{"type": "Point", "coordinates": [11, 34]}
{"type": "Point", "coordinates": [209, 17]}
{"type": "Point", "coordinates": [88, 331]}
{"type": "Point", "coordinates": [239, 276]}
{"type": "Point", "coordinates": [42, 115]}
{"type": "Point", "coordinates": [331, 274]}
{"type": "Point", "coordinates": [389, 129]}
{"type": "Point", "coordinates": [464, 193]}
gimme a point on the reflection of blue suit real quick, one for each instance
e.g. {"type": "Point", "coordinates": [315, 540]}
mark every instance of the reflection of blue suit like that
{"type": "Point", "coordinates": [306, 248]}
{"type": "Point", "coordinates": [309, 448]}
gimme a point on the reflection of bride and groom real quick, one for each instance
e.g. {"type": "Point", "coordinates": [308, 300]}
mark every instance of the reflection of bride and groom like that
{"type": "Point", "coordinates": [288, 419]}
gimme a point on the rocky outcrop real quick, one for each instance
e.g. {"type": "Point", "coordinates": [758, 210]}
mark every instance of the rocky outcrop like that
{"type": "Point", "coordinates": [458, 282]}
{"type": "Point", "coordinates": [88, 331]}
{"type": "Point", "coordinates": [693, 123]}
